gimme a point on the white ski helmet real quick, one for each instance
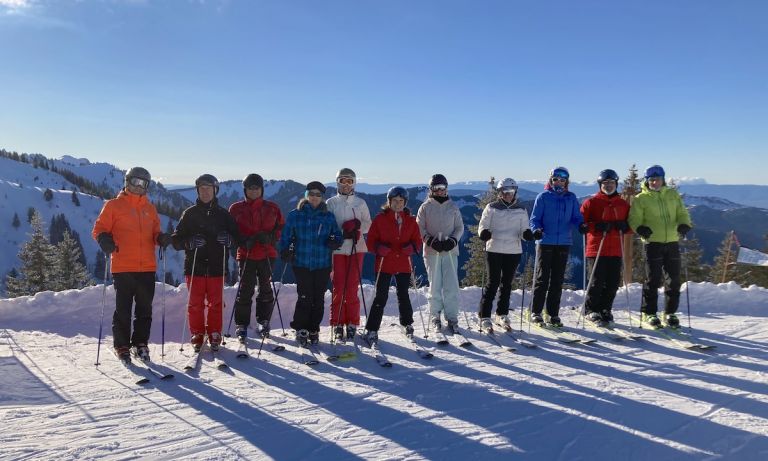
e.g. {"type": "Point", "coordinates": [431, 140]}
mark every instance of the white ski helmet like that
{"type": "Point", "coordinates": [506, 184]}
{"type": "Point", "coordinates": [346, 173]}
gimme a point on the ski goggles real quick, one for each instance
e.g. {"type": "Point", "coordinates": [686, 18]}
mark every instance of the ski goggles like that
{"type": "Point", "coordinates": [438, 187]}
{"type": "Point", "coordinates": [138, 182]}
{"type": "Point", "coordinates": [509, 190]}
{"type": "Point", "coordinates": [346, 181]}
{"type": "Point", "coordinates": [559, 179]}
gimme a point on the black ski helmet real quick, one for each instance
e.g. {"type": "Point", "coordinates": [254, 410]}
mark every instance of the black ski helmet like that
{"type": "Point", "coordinates": [208, 180]}
{"type": "Point", "coordinates": [438, 179]}
{"type": "Point", "coordinates": [252, 180]}
{"type": "Point", "coordinates": [140, 173]}
{"type": "Point", "coordinates": [606, 175]}
{"type": "Point", "coordinates": [397, 191]}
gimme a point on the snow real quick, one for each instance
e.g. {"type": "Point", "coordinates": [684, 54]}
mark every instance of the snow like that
{"type": "Point", "coordinates": [610, 400]}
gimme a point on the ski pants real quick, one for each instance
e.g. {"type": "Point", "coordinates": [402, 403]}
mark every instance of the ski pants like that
{"type": "Point", "coordinates": [501, 270]}
{"type": "Point", "coordinates": [548, 279]}
{"type": "Point", "coordinates": [402, 282]}
{"type": "Point", "coordinates": [311, 286]}
{"type": "Point", "coordinates": [605, 283]}
{"type": "Point", "coordinates": [443, 294]}
{"type": "Point", "coordinates": [661, 259]}
{"type": "Point", "coordinates": [256, 271]}
{"type": "Point", "coordinates": [206, 290]}
{"type": "Point", "coordinates": [345, 303]}
{"type": "Point", "coordinates": [130, 287]}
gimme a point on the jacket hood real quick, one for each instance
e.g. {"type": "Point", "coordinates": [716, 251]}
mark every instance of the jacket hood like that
{"type": "Point", "coordinates": [304, 201]}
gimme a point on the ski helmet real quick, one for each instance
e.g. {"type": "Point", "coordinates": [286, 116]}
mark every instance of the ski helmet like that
{"type": "Point", "coordinates": [560, 172]}
{"type": "Point", "coordinates": [397, 191]}
{"type": "Point", "coordinates": [316, 185]}
{"type": "Point", "coordinates": [607, 175]}
{"type": "Point", "coordinates": [253, 180]}
{"type": "Point", "coordinates": [141, 175]}
{"type": "Point", "coordinates": [346, 173]}
{"type": "Point", "coordinates": [506, 184]}
{"type": "Point", "coordinates": [208, 180]}
{"type": "Point", "coordinates": [438, 179]}
{"type": "Point", "coordinates": [654, 171]}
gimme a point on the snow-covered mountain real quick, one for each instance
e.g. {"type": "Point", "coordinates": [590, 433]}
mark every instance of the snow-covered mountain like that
{"type": "Point", "coordinates": [611, 400]}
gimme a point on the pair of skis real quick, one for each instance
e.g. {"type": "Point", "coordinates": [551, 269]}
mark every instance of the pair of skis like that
{"type": "Point", "coordinates": [242, 347]}
{"type": "Point", "coordinates": [678, 338]}
{"type": "Point", "coordinates": [559, 334]}
{"type": "Point", "coordinates": [144, 371]}
{"type": "Point", "coordinates": [196, 359]}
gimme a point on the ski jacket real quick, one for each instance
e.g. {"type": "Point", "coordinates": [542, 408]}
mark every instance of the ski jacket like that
{"type": "Point", "coordinates": [556, 214]}
{"type": "Point", "coordinates": [441, 221]}
{"type": "Point", "coordinates": [506, 222]}
{"type": "Point", "coordinates": [662, 211]}
{"type": "Point", "coordinates": [253, 216]}
{"type": "Point", "coordinates": [309, 228]}
{"type": "Point", "coordinates": [394, 230]}
{"type": "Point", "coordinates": [206, 219]}
{"type": "Point", "coordinates": [134, 224]}
{"type": "Point", "coordinates": [344, 208]}
{"type": "Point", "coordinates": [604, 208]}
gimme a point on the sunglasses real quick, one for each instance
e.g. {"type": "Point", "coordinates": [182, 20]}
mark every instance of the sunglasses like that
{"type": "Point", "coordinates": [438, 187]}
{"type": "Point", "coordinates": [656, 178]}
{"type": "Point", "coordinates": [559, 179]}
{"type": "Point", "coordinates": [138, 182]}
{"type": "Point", "coordinates": [315, 194]}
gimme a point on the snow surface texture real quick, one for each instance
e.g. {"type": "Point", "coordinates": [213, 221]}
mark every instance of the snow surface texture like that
{"type": "Point", "coordinates": [610, 400]}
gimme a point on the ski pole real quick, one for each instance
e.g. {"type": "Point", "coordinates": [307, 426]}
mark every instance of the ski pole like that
{"type": "Point", "coordinates": [626, 287]}
{"type": "Point", "coordinates": [413, 282]}
{"type": "Point", "coordinates": [582, 313]}
{"type": "Point", "coordinates": [276, 292]}
{"type": "Point", "coordinates": [240, 276]}
{"type": "Point", "coordinates": [522, 285]}
{"type": "Point", "coordinates": [360, 279]}
{"type": "Point", "coordinates": [162, 323]}
{"type": "Point", "coordinates": [687, 283]}
{"type": "Point", "coordinates": [103, 303]}
{"type": "Point", "coordinates": [223, 284]}
{"type": "Point", "coordinates": [189, 298]}
{"type": "Point", "coordinates": [533, 285]}
{"type": "Point", "coordinates": [456, 273]}
{"type": "Point", "coordinates": [584, 265]}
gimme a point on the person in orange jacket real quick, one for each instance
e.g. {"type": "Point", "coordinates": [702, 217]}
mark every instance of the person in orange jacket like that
{"type": "Point", "coordinates": [127, 229]}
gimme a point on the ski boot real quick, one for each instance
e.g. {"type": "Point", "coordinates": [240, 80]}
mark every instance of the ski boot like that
{"type": "Point", "coordinates": [264, 329]}
{"type": "Point", "coordinates": [408, 330]}
{"type": "Point", "coordinates": [215, 341]}
{"type": "Point", "coordinates": [435, 324]}
{"type": "Point", "coordinates": [453, 326]}
{"type": "Point", "coordinates": [651, 320]}
{"type": "Point", "coordinates": [554, 322]}
{"type": "Point", "coordinates": [595, 318]}
{"type": "Point", "coordinates": [371, 337]}
{"type": "Point", "coordinates": [351, 331]}
{"type": "Point", "coordinates": [197, 341]}
{"type": "Point", "coordinates": [302, 337]}
{"type": "Point", "coordinates": [503, 321]}
{"type": "Point", "coordinates": [536, 319]}
{"type": "Point", "coordinates": [123, 353]}
{"type": "Point", "coordinates": [672, 321]}
{"type": "Point", "coordinates": [607, 317]}
{"type": "Point", "coordinates": [314, 337]}
{"type": "Point", "coordinates": [241, 331]}
{"type": "Point", "coordinates": [486, 326]}
{"type": "Point", "coordinates": [142, 352]}
{"type": "Point", "coordinates": [338, 333]}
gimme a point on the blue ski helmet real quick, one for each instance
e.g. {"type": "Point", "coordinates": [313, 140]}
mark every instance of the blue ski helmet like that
{"type": "Point", "coordinates": [607, 175]}
{"type": "Point", "coordinates": [654, 171]}
{"type": "Point", "coordinates": [397, 191]}
{"type": "Point", "coordinates": [560, 172]}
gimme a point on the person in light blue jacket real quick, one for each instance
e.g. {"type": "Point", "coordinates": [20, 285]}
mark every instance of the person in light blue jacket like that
{"type": "Point", "coordinates": [554, 216]}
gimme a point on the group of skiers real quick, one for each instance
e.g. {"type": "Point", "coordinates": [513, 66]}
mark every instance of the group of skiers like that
{"type": "Point", "coordinates": [325, 240]}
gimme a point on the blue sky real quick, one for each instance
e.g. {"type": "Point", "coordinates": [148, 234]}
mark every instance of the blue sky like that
{"type": "Point", "coordinates": [396, 90]}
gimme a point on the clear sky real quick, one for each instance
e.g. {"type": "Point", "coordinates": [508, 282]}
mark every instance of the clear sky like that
{"type": "Point", "coordinates": [396, 90]}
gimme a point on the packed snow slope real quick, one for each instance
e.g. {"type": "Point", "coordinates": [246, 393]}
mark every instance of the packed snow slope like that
{"type": "Point", "coordinates": [627, 400]}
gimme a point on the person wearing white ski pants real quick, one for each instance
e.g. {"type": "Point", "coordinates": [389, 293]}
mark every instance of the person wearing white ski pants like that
{"type": "Point", "coordinates": [443, 293]}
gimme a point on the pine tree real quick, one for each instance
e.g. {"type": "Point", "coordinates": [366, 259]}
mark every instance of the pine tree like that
{"type": "Point", "coordinates": [30, 213]}
{"type": "Point", "coordinates": [724, 268]}
{"type": "Point", "coordinates": [691, 254]}
{"type": "Point", "coordinates": [75, 199]}
{"type": "Point", "coordinates": [68, 272]}
{"type": "Point", "coordinates": [16, 222]}
{"type": "Point", "coordinates": [475, 267]}
{"type": "Point", "coordinates": [48, 195]}
{"type": "Point", "coordinates": [36, 261]}
{"type": "Point", "coordinates": [633, 258]}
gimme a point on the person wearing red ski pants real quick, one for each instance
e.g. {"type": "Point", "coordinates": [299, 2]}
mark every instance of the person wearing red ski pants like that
{"type": "Point", "coordinates": [205, 291]}
{"type": "Point", "coordinates": [346, 283]}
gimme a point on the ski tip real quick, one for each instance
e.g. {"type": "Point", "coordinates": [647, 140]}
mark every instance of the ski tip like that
{"type": "Point", "coordinates": [143, 381]}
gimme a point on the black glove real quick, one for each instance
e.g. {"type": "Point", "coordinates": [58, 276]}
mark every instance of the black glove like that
{"type": "Point", "coordinates": [583, 228]}
{"type": "Point", "coordinates": [333, 243]}
{"type": "Point", "coordinates": [621, 226]}
{"type": "Point", "coordinates": [485, 235]}
{"type": "Point", "coordinates": [106, 242]}
{"type": "Point", "coordinates": [195, 242]}
{"type": "Point", "coordinates": [163, 239]}
{"type": "Point", "coordinates": [527, 235]}
{"type": "Point", "coordinates": [288, 255]}
{"type": "Point", "coordinates": [449, 244]}
{"type": "Point", "coordinates": [436, 244]}
{"type": "Point", "coordinates": [603, 226]}
{"type": "Point", "coordinates": [264, 238]}
{"type": "Point", "coordinates": [683, 229]}
{"type": "Point", "coordinates": [538, 234]}
{"type": "Point", "coordinates": [250, 242]}
{"type": "Point", "coordinates": [644, 231]}
{"type": "Point", "coordinates": [224, 238]}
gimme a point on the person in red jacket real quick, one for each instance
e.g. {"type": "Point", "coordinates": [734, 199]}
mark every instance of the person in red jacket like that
{"type": "Point", "coordinates": [128, 228]}
{"type": "Point", "coordinates": [606, 215]}
{"type": "Point", "coordinates": [393, 237]}
{"type": "Point", "coordinates": [259, 222]}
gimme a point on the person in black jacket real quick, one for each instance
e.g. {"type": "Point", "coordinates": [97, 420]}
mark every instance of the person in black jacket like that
{"type": "Point", "coordinates": [205, 231]}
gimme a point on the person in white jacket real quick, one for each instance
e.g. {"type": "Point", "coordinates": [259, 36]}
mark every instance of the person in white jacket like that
{"type": "Point", "coordinates": [441, 229]}
{"type": "Point", "coordinates": [503, 224]}
{"type": "Point", "coordinates": [354, 220]}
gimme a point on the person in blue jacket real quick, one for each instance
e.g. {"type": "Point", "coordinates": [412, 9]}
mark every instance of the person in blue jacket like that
{"type": "Point", "coordinates": [308, 239]}
{"type": "Point", "coordinates": [554, 216]}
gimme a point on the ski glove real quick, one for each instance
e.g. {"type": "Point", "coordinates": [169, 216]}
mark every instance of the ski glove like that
{"type": "Point", "coordinates": [644, 231]}
{"type": "Point", "coordinates": [333, 243]}
{"type": "Point", "coordinates": [583, 228]}
{"type": "Point", "coordinates": [265, 238]}
{"type": "Point", "coordinates": [527, 235]}
{"type": "Point", "coordinates": [287, 255]}
{"type": "Point", "coordinates": [107, 243]}
{"type": "Point", "coordinates": [603, 226]}
{"type": "Point", "coordinates": [436, 244]}
{"type": "Point", "coordinates": [224, 238]}
{"type": "Point", "coordinates": [163, 239]}
{"type": "Point", "coordinates": [250, 242]}
{"type": "Point", "coordinates": [382, 249]}
{"type": "Point", "coordinates": [449, 244]}
{"type": "Point", "coordinates": [683, 229]}
{"type": "Point", "coordinates": [538, 234]}
{"type": "Point", "coordinates": [621, 226]}
{"type": "Point", "coordinates": [350, 229]}
{"type": "Point", "coordinates": [408, 249]}
{"type": "Point", "coordinates": [485, 235]}
{"type": "Point", "coordinates": [195, 242]}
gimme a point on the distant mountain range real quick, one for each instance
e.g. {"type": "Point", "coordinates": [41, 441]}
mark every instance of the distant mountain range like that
{"type": "Point", "coordinates": [715, 209]}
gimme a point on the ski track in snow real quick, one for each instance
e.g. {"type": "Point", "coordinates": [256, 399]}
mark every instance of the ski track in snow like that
{"type": "Point", "coordinates": [637, 400]}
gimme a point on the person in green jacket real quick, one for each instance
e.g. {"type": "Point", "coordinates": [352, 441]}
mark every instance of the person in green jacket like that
{"type": "Point", "coordinates": [660, 218]}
